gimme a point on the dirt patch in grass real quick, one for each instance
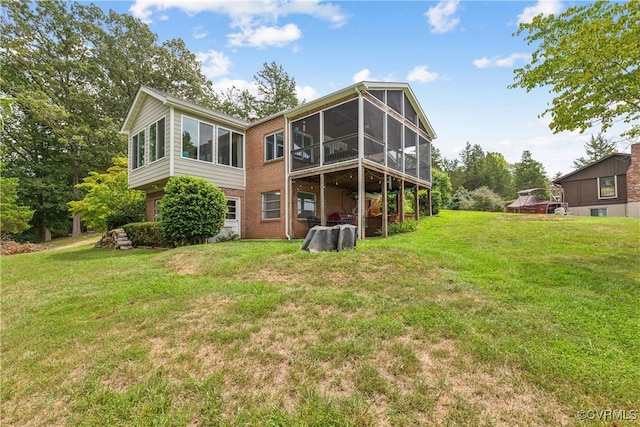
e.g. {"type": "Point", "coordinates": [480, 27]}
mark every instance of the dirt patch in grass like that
{"type": "Point", "coordinates": [185, 264]}
{"type": "Point", "coordinates": [536, 217]}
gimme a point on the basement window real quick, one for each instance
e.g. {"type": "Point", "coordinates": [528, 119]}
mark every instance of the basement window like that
{"type": "Point", "coordinates": [271, 205]}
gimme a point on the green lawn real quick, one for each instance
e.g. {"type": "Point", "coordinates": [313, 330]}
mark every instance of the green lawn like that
{"type": "Point", "coordinates": [474, 319]}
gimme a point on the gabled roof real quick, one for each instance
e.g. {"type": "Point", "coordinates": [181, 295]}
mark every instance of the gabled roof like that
{"type": "Point", "coordinates": [563, 177]}
{"type": "Point", "coordinates": [183, 104]}
{"type": "Point", "coordinates": [358, 87]}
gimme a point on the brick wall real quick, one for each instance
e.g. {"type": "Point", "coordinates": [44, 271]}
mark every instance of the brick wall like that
{"type": "Point", "coordinates": [151, 203]}
{"type": "Point", "coordinates": [263, 177]}
{"type": "Point", "coordinates": [633, 175]}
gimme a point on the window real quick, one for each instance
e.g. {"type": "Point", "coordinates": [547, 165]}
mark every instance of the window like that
{"type": "Point", "coordinates": [232, 210]}
{"type": "Point", "coordinates": [273, 146]}
{"type": "Point", "coordinates": [138, 150]}
{"type": "Point", "coordinates": [189, 138]}
{"type": "Point", "coordinates": [197, 140]}
{"type": "Point", "coordinates": [230, 148]}
{"type": "Point", "coordinates": [156, 140]}
{"type": "Point", "coordinates": [306, 205]}
{"type": "Point", "coordinates": [607, 187]}
{"type": "Point", "coordinates": [599, 212]}
{"type": "Point", "coordinates": [156, 210]}
{"type": "Point", "coordinates": [271, 205]}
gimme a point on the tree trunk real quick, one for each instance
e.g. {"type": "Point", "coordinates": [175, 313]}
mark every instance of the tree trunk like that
{"type": "Point", "coordinates": [47, 234]}
{"type": "Point", "coordinates": [75, 229]}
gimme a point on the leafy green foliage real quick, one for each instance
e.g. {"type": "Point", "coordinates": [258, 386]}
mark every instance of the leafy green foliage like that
{"type": "Point", "coordinates": [529, 173]}
{"type": "Point", "coordinates": [482, 199]}
{"type": "Point", "coordinates": [14, 218]}
{"type": "Point", "coordinates": [402, 227]}
{"type": "Point", "coordinates": [276, 92]}
{"type": "Point", "coordinates": [461, 196]}
{"type": "Point", "coordinates": [108, 203]}
{"type": "Point", "coordinates": [72, 73]}
{"type": "Point", "coordinates": [191, 210]}
{"type": "Point", "coordinates": [146, 234]}
{"type": "Point", "coordinates": [441, 183]}
{"type": "Point", "coordinates": [597, 148]}
{"type": "Point", "coordinates": [476, 169]}
{"type": "Point", "coordinates": [589, 57]}
{"type": "Point", "coordinates": [276, 89]}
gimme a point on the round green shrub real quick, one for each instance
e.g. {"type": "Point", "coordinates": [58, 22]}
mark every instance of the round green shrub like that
{"type": "Point", "coordinates": [191, 210]}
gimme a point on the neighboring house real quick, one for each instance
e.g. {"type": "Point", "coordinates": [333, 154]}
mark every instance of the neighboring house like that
{"type": "Point", "coordinates": [337, 158]}
{"type": "Point", "coordinates": [607, 187]}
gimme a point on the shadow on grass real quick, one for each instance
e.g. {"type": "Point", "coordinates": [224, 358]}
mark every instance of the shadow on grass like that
{"type": "Point", "coordinates": [92, 253]}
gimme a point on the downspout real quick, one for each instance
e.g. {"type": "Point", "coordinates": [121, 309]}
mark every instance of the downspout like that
{"type": "Point", "coordinates": [286, 179]}
{"type": "Point", "coordinates": [361, 180]}
{"type": "Point", "coordinates": [171, 139]}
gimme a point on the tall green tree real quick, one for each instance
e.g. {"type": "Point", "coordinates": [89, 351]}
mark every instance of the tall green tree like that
{"type": "Point", "coordinates": [72, 72]}
{"type": "Point", "coordinates": [589, 56]}
{"type": "Point", "coordinates": [496, 175]}
{"type": "Point", "coordinates": [597, 148]}
{"type": "Point", "coordinates": [472, 160]}
{"type": "Point", "coordinates": [276, 90]}
{"type": "Point", "coordinates": [529, 173]}
{"type": "Point", "coordinates": [14, 218]}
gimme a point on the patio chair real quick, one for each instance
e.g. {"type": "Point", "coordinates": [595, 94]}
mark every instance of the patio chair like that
{"type": "Point", "coordinates": [312, 221]}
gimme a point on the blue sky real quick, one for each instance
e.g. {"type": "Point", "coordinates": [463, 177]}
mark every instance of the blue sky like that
{"type": "Point", "coordinates": [458, 57]}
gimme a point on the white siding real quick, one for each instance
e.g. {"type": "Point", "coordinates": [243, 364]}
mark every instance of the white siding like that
{"type": "Point", "coordinates": [151, 111]}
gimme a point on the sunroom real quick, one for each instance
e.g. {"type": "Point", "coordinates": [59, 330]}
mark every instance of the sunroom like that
{"type": "Point", "coordinates": [360, 157]}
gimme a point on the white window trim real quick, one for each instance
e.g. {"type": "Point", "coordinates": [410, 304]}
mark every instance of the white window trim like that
{"type": "Point", "coordinates": [165, 139]}
{"type": "Point", "coordinates": [264, 218]}
{"type": "Point", "coordinates": [214, 149]}
{"type": "Point", "coordinates": [137, 149]}
{"type": "Point", "coordinates": [275, 149]}
{"type": "Point", "coordinates": [615, 188]}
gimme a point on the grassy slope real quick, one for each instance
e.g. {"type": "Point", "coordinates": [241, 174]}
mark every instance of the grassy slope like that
{"type": "Point", "coordinates": [473, 319]}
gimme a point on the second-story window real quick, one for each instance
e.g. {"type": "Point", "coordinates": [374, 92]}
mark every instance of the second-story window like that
{"type": "Point", "coordinates": [273, 146]}
{"type": "Point", "coordinates": [197, 140]}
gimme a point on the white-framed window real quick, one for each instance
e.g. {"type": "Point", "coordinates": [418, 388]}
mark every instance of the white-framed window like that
{"type": "Point", "coordinates": [230, 148]}
{"type": "Point", "coordinates": [156, 140]}
{"type": "Point", "coordinates": [306, 204]}
{"type": "Point", "coordinates": [598, 212]}
{"type": "Point", "coordinates": [607, 187]}
{"type": "Point", "coordinates": [274, 146]}
{"type": "Point", "coordinates": [197, 140]}
{"type": "Point", "coordinates": [271, 205]}
{"type": "Point", "coordinates": [137, 148]}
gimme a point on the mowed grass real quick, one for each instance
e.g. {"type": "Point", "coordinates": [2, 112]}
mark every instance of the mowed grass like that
{"type": "Point", "coordinates": [474, 319]}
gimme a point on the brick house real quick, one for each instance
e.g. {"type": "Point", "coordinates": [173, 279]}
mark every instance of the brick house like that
{"type": "Point", "coordinates": [335, 159]}
{"type": "Point", "coordinates": [607, 187]}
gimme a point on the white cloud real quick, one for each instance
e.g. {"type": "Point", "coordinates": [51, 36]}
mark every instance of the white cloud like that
{"type": "Point", "coordinates": [361, 75]}
{"type": "Point", "coordinates": [442, 16]}
{"type": "Point", "coordinates": [422, 74]}
{"type": "Point", "coordinates": [544, 7]}
{"type": "Point", "coordinates": [214, 64]}
{"type": "Point", "coordinates": [257, 22]}
{"type": "Point", "coordinates": [263, 36]}
{"type": "Point", "coordinates": [506, 62]}
{"type": "Point", "coordinates": [306, 93]}
{"type": "Point", "coordinates": [224, 84]}
{"type": "Point", "coordinates": [199, 32]}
